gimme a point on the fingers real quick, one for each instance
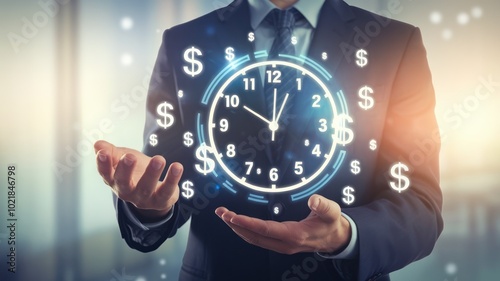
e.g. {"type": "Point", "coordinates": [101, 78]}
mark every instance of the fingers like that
{"type": "Point", "coordinates": [123, 175]}
{"type": "Point", "coordinates": [281, 244]}
{"type": "Point", "coordinates": [105, 167]}
{"type": "Point", "coordinates": [101, 144]}
{"type": "Point", "coordinates": [149, 180]}
{"type": "Point", "coordinates": [170, 184]}
{"type": "Point", "coordinates": [326, 209]}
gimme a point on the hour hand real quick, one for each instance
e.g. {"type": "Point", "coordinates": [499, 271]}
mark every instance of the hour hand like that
{"type": "Point", "coordinates": [257, 114]}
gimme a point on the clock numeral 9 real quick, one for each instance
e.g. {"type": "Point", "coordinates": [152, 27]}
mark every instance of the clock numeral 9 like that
{"type": "Point", "coordinates": [224, 125]}
{"type": "Point", "coordinates": [273, 76]}
{"type": "Point", "coordinates": [249, 84]}
{"type": "Point", "coordinates": [232, 100]}
{"type": "Point", "coordinates": [316, 150]}
{"type": "Point", "coordinates": [298, 168]}
{"type": "Point", "coordinates": [231, 150]}
{"type": "Point", "coordinates": [273, 174]}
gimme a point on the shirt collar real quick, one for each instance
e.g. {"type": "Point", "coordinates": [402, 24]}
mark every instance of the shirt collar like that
{"type": "Point", "coordinates": [260, 8]}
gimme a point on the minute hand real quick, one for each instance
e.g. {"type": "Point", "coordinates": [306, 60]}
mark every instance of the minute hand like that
{"type": "Point", "coordinates": [281, 108]}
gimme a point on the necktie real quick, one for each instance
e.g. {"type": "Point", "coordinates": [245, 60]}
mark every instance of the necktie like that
{"type": "Point", "coordinates": [280, 89]}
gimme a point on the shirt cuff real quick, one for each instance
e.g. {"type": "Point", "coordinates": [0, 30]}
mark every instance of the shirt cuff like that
{"type": "Point", "coordinates": [350, 252]}
{"type": "Point", "coordinates": [145, 226]}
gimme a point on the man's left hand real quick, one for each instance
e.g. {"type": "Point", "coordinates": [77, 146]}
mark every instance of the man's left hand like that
{"type": "Point", "coordinates": [324, 230]}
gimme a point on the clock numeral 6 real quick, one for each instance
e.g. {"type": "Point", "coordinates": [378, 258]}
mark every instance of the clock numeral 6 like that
{"type": "Point", "coordinates": [273, 174]}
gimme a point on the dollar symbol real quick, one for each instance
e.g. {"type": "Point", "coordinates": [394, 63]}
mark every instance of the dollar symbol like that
{"type": "Point", "coordinates": [362, 60]}
{"type": "Point", "coordinates": [373, 145]}
{"type": "Point", "coordinates": [355, 168]}
{"type": "Point", "coordinates": [188, 139]}
{"type": "Point", "coordinates": [324, 56]}
{"type": "Point", "coordinates": [188, 190]}
{"type": "Point", "coordinates": [251, 36]}
{"type": "Point", "coordinates": [276, 210]}
{"type": "Point", "coordinates": [229, 53]}
{"type": "Point", "coordinates": [342, 135]}
{"type": "Point", "coordinates": [153, 139]}
{"type": "Point", "coordinates": [168, 119]}
{"type": "Point", "coordinates": [403, 182]}
{"type": "Point", "coordinates": [348, 195]}
{"type": "Point", "coordinates": [368, 101]}
{"type": "Point", "coordinates": [196, 65]}
{"type": "Point", "coordinates": [202, 155]}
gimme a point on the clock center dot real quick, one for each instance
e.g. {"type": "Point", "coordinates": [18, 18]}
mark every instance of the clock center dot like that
{"type": "Point", "coordinates": [273, 126]}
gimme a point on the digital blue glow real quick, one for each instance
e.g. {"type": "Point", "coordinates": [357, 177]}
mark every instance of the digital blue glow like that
{"type": "Point", "coordinates": [343, 103]}
{"type": "Point", "coordinates": [257, 198]}
{"type": "Point", "coordinates": [318, 67]}
{"type": "Point", "coordinates": [228, 185]}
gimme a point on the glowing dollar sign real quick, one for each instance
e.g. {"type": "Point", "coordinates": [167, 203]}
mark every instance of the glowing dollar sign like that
{"type": "Point", "coordinates": [403, 181]}
{"type": "Point", "coordinates": [153, 139]}
{"type": "Point", "coordinates": [368, 101]}
{"type": "Point", "coordinates": [362, 60]}
{"type": "Point", "coordinates": [168, 119]}
{"type": "Point", "coordinates": [188, 190]}
{"type": "Point", "coordinates": [342, 135]}
{"type": "Point", "coordinates": [196, 65]}
{"type": "Point", "coordinates": [251, 36]}
{"type": "Point", "coordinates": [229, 53]}
{"type": "Point", "coordinates": [355, 168]}
{"type": "Point", "coordinates": [188, 139]}
{"type": "Point", "coordinates": [202, 155]}
{"type": "Point", "coordinates": [348, 195]}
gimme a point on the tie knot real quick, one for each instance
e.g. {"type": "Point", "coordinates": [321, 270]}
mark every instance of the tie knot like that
{"type": "Point", "coordinates": [283, 18]}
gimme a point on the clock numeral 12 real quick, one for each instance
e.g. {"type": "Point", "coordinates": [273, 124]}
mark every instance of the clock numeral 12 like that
{"type": "Point", "coordinates": [273, 76]}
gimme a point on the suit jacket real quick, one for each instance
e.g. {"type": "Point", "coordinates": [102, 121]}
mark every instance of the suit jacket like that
{"type": "Point", "coordinates": [394, 228]}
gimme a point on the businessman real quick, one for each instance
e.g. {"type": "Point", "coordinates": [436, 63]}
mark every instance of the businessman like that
{"type": "Point", "coordinates": [320, 237]}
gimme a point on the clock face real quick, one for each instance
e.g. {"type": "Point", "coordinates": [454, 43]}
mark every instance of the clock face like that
{"type": "Point", "coordinates": [309, 125]}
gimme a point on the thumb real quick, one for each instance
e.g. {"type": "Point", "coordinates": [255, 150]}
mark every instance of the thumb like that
{"type": "Point", "coordinates": [326, 209]}
{"type": "Point", "coordinates": [102, 144]}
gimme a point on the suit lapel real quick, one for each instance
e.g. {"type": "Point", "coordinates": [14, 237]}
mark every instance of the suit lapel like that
{"type": "Point", "coordinates": [335, 27]}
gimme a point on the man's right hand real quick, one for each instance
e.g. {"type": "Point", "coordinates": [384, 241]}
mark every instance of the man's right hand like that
{"type": "Point", "coordinates": [134, 178]}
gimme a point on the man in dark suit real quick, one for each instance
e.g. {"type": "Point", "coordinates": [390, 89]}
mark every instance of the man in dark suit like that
{"type": "Point", "coordinates": [322, 238]}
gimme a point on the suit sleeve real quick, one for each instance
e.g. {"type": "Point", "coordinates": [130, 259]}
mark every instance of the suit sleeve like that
{"type": "Point", "coordinates": [395, 229]}
{"type": "Point", "coordinates": [162, 89]}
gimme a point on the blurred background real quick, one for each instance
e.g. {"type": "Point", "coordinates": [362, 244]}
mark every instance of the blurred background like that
{"type": "Point", "coordinates": [75, 71]}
